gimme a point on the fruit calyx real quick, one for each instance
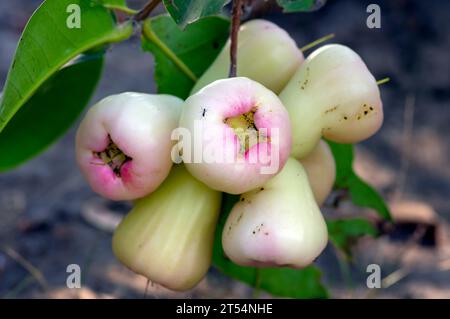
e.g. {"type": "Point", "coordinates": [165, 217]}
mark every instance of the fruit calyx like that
{"type": "Point", "coordinates": [113, 156]}
{"type": "Point", "coordinates": [246, 131]}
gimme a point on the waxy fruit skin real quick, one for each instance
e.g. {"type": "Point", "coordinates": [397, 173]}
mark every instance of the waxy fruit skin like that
{"type": "Point", "coordinates": [333, 95]}
{"type": "Point", "coordinates": [229, 98]}
{"type": "Point", "coordinates": [266, 54]}
{"type": "Point", "coordinates": [321, 170]}
{"type": "Point", "coordinates": [140, 126]}
{"type": "Point", "coordinates": [168, 236]}
{"type": "Point", "coordinates": [278, 225]}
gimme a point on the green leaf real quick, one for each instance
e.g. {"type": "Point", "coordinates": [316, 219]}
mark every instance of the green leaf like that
{"type": "Point", "coordinates": [50, 112]}
{"type": "Point", "coordinates": [181, 56]}
{"type": "Point", "coordinates": [120, 5]}
{"type": "Point", "coordinates": [361, 193]}
{"type": "Point", "coordinates": [184, 12]}
{"type": "Point", "coordinates": [47, 43]}
{"type": "Point", "coordinates": [301, 5]}
{"type": "Point", "coordinates": [283, 282]}
{"type": "Point", "coordinates": [294, 283]}
{"type": "Point", "coordinates": [343, 156]}
{"type": "Point", "coordinates": [343, 232]}
{"type": "Point", "coordinates": [364, 195]}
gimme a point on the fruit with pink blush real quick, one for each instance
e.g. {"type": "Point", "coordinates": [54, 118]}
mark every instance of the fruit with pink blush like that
{"type": "Point", "coordinates": [168, 236]}
{"type": "Point", "coordinates": [266, 54]}
{"type": "Point", "coordinates": [123, 144]}
{"type": "Point", "coordinates": [333, 95]}
{"type": "Point", "coordinates": [321, 170]}
{"type": "Point", "coordinates": [240, 135]}
{"type": "Point", "coordinates": [278, 224]}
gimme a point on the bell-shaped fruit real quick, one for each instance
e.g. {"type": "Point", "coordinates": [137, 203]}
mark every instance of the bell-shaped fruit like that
{"type": "Point", "coordinates": [278, 224]}
{"type": "Point", "coordinates": [334, 95]}
{"type": "Point", "coordinates": [168, 236]}
{"type": "Point", "coordinates": [123, 144]}
{"type": "Point", "coordinates": [321, 170]}
{"type": "Point", "coordinates": [265, 53]}
{"type": "Point", "coordinates": [239, 135]}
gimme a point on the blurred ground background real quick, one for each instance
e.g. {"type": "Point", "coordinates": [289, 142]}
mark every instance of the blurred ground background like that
{"type": "Point", "coordinates": [42, 204]}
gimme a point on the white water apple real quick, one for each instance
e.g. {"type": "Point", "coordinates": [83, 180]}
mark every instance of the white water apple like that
{"type": "Point", "coordinates": [266, 54]}
{"type": "Point", "coordinates": [168, 236]}
{"type": "Point", "coordinates": [277, 225]}
{"type": "Point", "coordinates": [333, 95]}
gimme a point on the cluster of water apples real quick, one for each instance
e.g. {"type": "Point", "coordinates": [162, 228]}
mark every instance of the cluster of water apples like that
{"type": "Point", "coordinates": [125, 149]}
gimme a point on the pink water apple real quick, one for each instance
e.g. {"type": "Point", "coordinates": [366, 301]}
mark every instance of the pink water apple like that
{"type": "Point", "coordinates": [236, 135]}
{"type": "Point", "coordinates": [123, 144]}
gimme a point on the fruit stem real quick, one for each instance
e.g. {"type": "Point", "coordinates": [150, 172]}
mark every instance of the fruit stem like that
{"type": "Point", "coordinates": [121, 8]}
{"type": "Point", "coordinates": [146, 10]}
{"type": "Point", "coordinates": [382, 81]}
{"type": "Point", "coordinates": [235, 24]}
{"type": "Point", "coordinates": [317, 42]}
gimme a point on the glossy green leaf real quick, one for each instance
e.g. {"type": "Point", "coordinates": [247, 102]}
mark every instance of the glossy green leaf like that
{"type": "Point", "coordinates": [184, 12]}
{"type": "Point", "coordinates": [343, 156]}
{"type": "Point", "coordinates": [50, 40]}
{"type": "Point", "coordinates": [361, 193]}
{"type": "Point", "coordinates": [364, 195]}
{"type": "Point", "coordinates": [181, 56]}
{"type": "Point", "coordinates": [343, 232]}
{"type": "Point", "coordinates": [283, 282]}
{"type": "Point", "coordinates": [301, 5]}
{"type": "Point", "coordinates": [50, 112]}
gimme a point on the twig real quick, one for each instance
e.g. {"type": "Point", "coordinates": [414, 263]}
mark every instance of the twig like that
{"type": "Point", "coordinates": [36, 273]}
{"type": "Point", "coordinates": [397, 275]}
{"type": "Point", "coordinates": [146, 289]}
{"type": "Point", "coordinates": [344, 267]}
{"type": "Point", "coordinates": [235, 24]}
{"type": "Point", "coordinates": [146, 10]}
{"type": "Point", "coordinates": [22, 285]}
{"type": "Point", "coordinates": [408, 124]}
{"type": "Point", "coordinates": [317, 42]}
{"type": "Point", "coordinates": [257, 289]}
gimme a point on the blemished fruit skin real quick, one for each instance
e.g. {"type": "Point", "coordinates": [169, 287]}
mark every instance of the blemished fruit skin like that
{"type": "Point", "coordinates": [217, 108]}
{"type": "Point", "coordinates": [266, 53]}
{"type": "Point", "coordinates": [278, 225]}
{"type": "Point", "coordinates": [333, 95]}
{"type": "Point", "coordinates": [321, 170]}
{"type": "Point", "coordinates": [123, 144]}
{"type": "Point", "coordinates": [168, 236]}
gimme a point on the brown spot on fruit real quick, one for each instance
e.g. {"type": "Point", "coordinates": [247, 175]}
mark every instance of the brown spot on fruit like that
{"type": "Point", "coordinates": [332, 109]}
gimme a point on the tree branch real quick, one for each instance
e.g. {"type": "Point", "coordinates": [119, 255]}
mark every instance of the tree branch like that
{"type": "Point", "coordinates": [146, 10]}
{"type": "Point", "coordinates": [235, 24]}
